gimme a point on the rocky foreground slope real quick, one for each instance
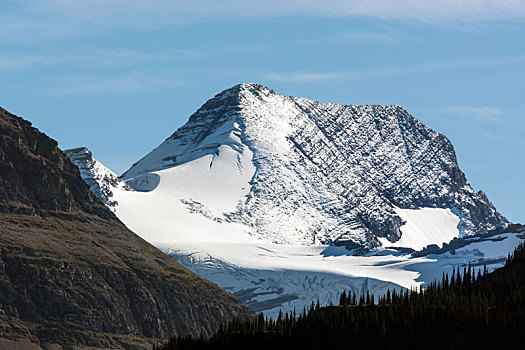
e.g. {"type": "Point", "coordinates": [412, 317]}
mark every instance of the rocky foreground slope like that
{"type": "Point", "coordinates": [72, 274]}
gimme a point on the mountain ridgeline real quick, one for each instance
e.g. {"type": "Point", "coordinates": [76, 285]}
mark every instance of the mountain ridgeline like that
{"type": "Point", "coordinates": [72, 274]}
{"type": "Point", "coordinates": [323, 172]}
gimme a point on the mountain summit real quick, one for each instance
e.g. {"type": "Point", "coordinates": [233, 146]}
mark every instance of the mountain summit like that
{"type": "Point", "coordinates": [283, 200]}
{"type": "Point", "coordinates": [296, 171]}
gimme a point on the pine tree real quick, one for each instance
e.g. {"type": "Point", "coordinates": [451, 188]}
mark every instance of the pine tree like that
{"type": "Point", "coordinates": [342, 298]}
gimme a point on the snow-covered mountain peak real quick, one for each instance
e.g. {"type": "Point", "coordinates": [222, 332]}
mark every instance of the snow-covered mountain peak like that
{"type": "Point", "coordinates": [101, 180]}
{"type": "Point", "coordinates": [295, 171]}
{"type": "Point", "coordinates": [220, 121]}
{"type": "Point", "coordinates": [246, 91]}
{"type": "Point", "coordinates": [259, 192]}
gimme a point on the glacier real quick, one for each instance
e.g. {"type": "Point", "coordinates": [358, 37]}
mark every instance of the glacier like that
{"type": "Point", "coordinates": [283, 200]}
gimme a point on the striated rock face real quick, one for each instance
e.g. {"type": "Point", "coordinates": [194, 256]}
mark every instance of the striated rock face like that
{"type": "Point", "coordinates": [323, 173]}
{"type": "Point", "coordinates": [72, 274]}
{"type": "Point", "coordinates": [100, 179]}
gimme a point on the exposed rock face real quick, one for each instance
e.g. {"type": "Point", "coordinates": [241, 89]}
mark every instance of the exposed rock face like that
{"type": "Point", "coordinates": [100, 179]}
{"type": "Point", "coordinates": [35, 175]}
{"type": "Point", "coordinates": [325, 173]}
{"type": "Point", "coordinates": [71, 273]}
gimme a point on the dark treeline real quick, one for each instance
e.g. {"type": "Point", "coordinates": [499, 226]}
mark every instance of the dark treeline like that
{"type": "Point", "coordinates": [467, 309]}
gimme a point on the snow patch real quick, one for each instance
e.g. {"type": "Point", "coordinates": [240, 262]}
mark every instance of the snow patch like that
{"type": "Point", "coordinates": [425, 226]}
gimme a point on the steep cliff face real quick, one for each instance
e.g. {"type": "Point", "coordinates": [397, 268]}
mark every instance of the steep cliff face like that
{"type": "Point", "coordinates": [72, 274]}
{"type": "Point", "coordinates": [319, 173]}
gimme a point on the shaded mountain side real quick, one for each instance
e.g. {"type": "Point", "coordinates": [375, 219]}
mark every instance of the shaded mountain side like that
{"type": "Point", "coordinates": [35, 175]}
{"type": "Point", "coordinates": [72, 274]}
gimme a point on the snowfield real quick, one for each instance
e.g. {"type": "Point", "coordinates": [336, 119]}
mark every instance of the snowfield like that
{"type": "Point", "coordinates": [282, 200]}
{"type": "Point", "coordinates": [425, 226]}
{"type": "Point", "coordinates": [270, 277]}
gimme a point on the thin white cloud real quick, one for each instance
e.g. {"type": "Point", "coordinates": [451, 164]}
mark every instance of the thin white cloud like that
{"type": "Point", "coordinates": [482, 113]}
{"type": "Point", "coordinates": [381, 36]}
{"type": "Point", "coordinates": [141, 79]}
{"type": "Point", "coordinates": [492, 119]}
{"type": "Point", "coordinates": [11, 63]}
{"type": "Point", "coordinates": [501, 138]}
{"type": "Point", "coordinates": [109, 84]}
{"type": "Point", "coordinates": [107, 58]}
{"type": "Point", "coordinates": [382, 73]}
{"type": "Point", "coordinates": [503, 118]}
{"type": "Point", "coordinates": [93, 58]}
{"type": "Point", "coordinates": [397, 9]}
{"type": "Point", "coordinates": [35, 19]}
{"type": "Point", "coordinates": [377, 36]}
{"type": "Point", "coordinates": [301, 77]}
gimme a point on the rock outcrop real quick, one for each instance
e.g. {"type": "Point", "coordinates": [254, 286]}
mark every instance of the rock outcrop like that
{"type": "Point", "coordinates": [101, 180]}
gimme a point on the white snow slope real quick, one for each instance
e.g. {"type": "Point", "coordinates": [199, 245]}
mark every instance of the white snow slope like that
{"type": "Point", "coordinates": [425, 226]}
{"type": "Point", "coordinates": [255, 189]}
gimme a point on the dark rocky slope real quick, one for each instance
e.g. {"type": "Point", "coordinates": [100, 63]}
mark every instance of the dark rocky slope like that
{"type": "Point", "coordinates": [72, 274]}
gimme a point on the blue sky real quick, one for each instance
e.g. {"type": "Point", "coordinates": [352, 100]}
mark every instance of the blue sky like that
{"type": "Point", "coordinates": [119, 77]}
